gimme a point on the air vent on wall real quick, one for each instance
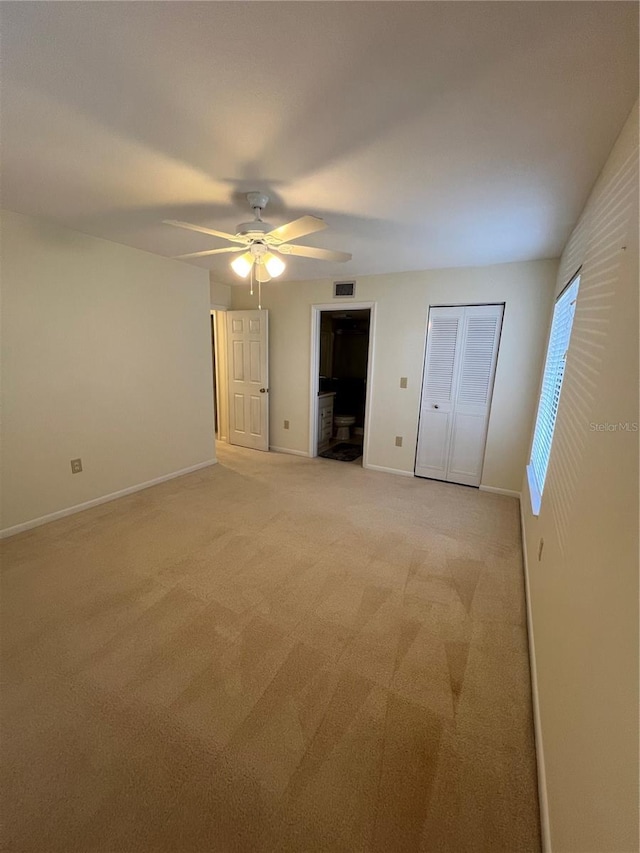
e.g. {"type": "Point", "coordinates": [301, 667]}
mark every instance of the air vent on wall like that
{"type": "Point", "coordinates": [344, 289]}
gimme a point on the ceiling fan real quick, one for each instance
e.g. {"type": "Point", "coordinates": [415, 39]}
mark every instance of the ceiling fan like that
{"type": "Point", "coordinates": [261, 243]}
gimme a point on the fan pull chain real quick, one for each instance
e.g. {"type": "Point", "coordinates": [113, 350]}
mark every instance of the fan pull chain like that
{"type": "Point", "coordinates": [259, 295]}
{"type": "Point", "coordinates": [252, 265]}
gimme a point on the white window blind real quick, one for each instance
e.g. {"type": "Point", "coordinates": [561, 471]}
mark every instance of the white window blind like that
{"type": "Point", "coordinates": [550, 393]}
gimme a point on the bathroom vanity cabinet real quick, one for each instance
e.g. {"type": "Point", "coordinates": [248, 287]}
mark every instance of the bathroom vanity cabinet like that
{"type": "Point", "coordinates": [325, 419]}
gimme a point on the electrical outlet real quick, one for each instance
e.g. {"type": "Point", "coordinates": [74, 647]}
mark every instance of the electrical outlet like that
{"type": "Point", "coordinates": [403, 381]}
{"type": "Point", "coordinates": [398, 441]}
{"type": "Point", "coordinates": [286, 424]}
{"type": "Point", "coordinates": [76, 466]}
{"type": "Point", "coordinates": [540, 547]}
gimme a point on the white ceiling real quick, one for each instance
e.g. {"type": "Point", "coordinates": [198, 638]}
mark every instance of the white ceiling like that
{"type": "Point", "coordinates": [427, 134]}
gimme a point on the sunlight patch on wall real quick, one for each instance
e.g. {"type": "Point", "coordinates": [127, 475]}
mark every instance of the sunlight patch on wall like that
{"type": "Point", "coordinates": [606, 221]}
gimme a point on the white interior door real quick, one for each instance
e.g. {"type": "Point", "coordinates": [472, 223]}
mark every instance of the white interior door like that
{"type": "Point", "coordinates": [248, 371]}
{"type": "Point", "coordinates": [462, 349]}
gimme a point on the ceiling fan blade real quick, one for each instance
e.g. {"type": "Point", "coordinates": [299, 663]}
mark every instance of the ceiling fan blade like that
{"type": "Point", "coordinates": [298, 228]}
{"type": "Point", "coordinates": [312, 252]}
{"type": "Point", "coordinates": [202, 230]}
{"type": "Point", "coordinates": [209, 252]}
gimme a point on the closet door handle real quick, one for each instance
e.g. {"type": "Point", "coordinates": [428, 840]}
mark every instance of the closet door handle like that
{"type": "Point", "coordinates": [436, 406]}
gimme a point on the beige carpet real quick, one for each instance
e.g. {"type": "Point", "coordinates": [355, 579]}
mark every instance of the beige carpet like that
{"type": "Point", "coordinates": [273, 654]}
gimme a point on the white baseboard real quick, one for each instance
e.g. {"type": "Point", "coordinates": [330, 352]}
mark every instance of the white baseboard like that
{"type": "Point", "coordinates": [397, 471]}
{"type": "Point", "coordinates": [288, 450]}
{"type": "Point", "coordinates": [496, 491]}
{"type": "Point", "coordinates": [537, 723]}
{"type": "Point", "coordinates": [71, 510]}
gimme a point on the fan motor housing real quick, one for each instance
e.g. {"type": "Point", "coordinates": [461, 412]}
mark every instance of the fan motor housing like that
{"type": "Point", "coordinates": [256, 226]}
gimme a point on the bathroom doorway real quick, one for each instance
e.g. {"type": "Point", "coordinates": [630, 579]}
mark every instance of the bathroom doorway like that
{"type": "Point", "coordinates": [341, 364]}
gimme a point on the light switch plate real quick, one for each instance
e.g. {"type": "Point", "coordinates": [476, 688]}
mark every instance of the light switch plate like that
{"type": "Point", "coordinates": [398, 441]}
{"type": "Point", "coordinates": [403, 381]}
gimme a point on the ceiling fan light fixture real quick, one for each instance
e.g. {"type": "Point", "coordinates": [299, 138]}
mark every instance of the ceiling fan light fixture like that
{"type": "Point", "coordinates": [275, 265]}
{"type": "Point", "coordinates": [257, 237]}
{"type": "Point", "coordinates": [242, 264]}
{"type": "Point", "coordinates": [262, 273]}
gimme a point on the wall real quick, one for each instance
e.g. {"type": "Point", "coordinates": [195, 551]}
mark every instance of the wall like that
{"type": "Point", "coordinates": [220, 294]}
{"type": "Point", "coordinates": [402, 303]}
{"type": "Point", "coordinates": [106, 355]}
{"type": "Point", "coordinates": [584, 591]}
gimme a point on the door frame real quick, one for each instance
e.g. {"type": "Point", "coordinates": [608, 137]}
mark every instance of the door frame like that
{"type": "Point", "coordinates": [314, 379]}
{"type": "Point", "coordinates": [503, 304]}
{"type": "Point", "coordinates": [222, 394]}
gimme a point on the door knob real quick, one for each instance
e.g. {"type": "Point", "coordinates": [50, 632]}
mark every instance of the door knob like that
{"type": "Point", "coordinates": [436, 406]}
{"type": "Point", "coordinates": [263, 390]}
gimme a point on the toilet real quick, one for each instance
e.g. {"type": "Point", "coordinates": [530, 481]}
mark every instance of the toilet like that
{"type": "Point", "coordinates": [342, 424]}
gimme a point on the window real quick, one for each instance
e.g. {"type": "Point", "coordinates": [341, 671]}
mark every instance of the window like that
{"type": "Point", "coordinates": [550, 392]}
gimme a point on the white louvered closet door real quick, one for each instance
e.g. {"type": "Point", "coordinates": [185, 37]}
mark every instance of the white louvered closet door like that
{"type": "Point", "coordinates": [462, 349]}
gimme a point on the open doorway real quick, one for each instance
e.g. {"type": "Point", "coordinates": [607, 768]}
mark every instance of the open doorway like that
{"type": "Point", "coordinates": [341, 363]}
